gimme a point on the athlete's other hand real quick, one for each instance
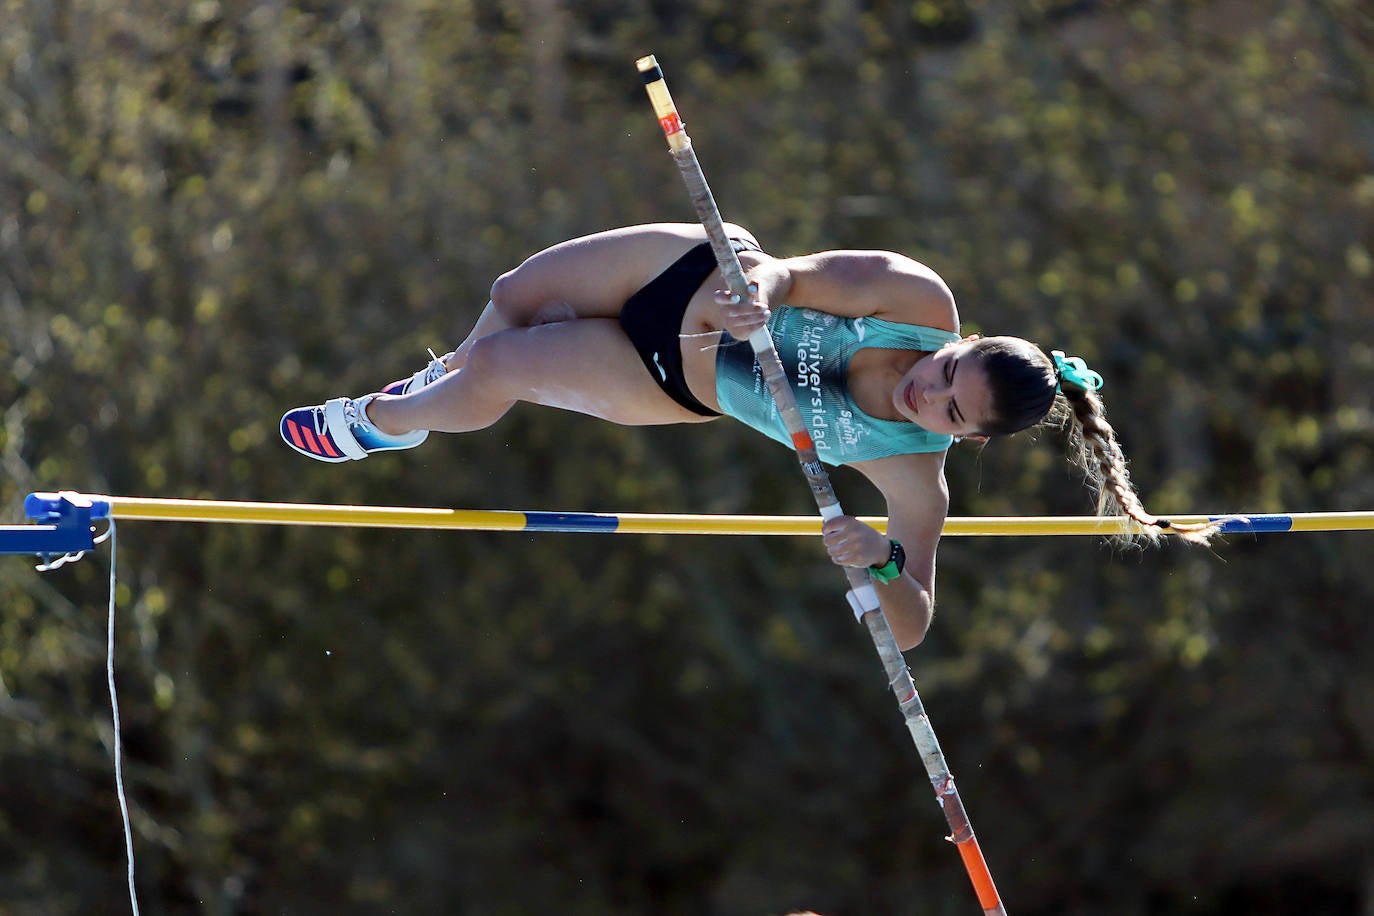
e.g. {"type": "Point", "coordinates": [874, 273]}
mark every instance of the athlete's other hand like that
{"type": "Point", "coordinates": [741, 318]}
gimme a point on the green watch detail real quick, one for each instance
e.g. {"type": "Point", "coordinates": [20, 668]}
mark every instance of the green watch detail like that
{"type": "Point", "coordinates": [890, 570]}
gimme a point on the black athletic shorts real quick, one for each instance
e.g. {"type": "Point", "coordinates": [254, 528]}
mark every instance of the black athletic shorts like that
{"type": "Point", "coordinates": [652, 318]}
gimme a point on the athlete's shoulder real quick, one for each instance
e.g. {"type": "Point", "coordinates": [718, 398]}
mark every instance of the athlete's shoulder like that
{"type": "Point", "coordinates": [916, 294]}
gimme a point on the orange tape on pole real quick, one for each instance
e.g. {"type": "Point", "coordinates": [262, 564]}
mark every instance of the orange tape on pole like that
{"type": "Point", "coordinates": [978, 873]}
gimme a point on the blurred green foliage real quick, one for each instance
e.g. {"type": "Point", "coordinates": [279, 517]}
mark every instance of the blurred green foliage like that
{"type": "Point", "coordinates": [215, 210]}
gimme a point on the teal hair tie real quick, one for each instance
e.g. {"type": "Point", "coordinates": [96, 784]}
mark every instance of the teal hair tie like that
{"type": "Point", "coordinates": [1073, 369]}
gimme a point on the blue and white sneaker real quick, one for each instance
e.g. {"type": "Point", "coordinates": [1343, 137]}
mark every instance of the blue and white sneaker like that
{"type": "Point", "coordinates": [339, 430]}
{"type": "Point", "coordinates": [426, 376]}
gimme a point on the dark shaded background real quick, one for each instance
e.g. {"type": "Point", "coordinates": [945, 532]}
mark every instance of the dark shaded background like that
{"type": "Point", "coordinates": [215, 210]}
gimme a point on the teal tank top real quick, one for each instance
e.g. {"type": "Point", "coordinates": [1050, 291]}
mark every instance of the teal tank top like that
{"type": "Point", "coordinates": [815, 349]}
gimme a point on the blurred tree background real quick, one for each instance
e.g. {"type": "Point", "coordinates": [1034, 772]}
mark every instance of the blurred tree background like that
{"type": "Point", "coordinates": [214, 210]}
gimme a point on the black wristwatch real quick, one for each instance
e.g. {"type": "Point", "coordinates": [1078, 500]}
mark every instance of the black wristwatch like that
{"type": "Point", "coordinates": [896, 559]}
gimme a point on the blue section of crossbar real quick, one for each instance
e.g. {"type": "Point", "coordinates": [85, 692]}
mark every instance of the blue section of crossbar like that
{"type": "Point", "coordinates": [1254, 524]}
{"type": "Point", "coordinates": [65, 525]}
{"type": "Point", "coordinates": [570, 521]}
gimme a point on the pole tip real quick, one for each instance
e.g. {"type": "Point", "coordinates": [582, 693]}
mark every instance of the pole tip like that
{"type": "Point", "coordinates": [647, 62]}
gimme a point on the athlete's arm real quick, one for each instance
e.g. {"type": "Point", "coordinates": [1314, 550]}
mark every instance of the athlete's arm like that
{"type": "Point", "coordinates": [854, 284]}
{"type": "Point", "coordinates": [917, 501]}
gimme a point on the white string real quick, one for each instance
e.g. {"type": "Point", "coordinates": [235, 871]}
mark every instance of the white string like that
{"type": "Point", "coordinates": [49, 564]}
{"type": "Point", "coordinates": [714, 346]}
{"type": "Point", "coordinates": [118, 741]}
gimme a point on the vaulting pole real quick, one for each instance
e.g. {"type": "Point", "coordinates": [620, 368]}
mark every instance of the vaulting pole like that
{"type": "Point", "coordinates": [862, 595]}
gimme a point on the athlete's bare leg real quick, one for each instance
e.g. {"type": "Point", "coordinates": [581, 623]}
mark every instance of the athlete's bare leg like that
{"type": "Point", "coordinates": [586, 365]}
{"type": "Point", "coordinates": [550, 336]}
{"type": "Point", "coordinates": [587, 277]}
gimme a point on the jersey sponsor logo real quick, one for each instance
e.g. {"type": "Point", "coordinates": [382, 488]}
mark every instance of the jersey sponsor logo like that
{"type": "Point", "coordinates": [849, 430]}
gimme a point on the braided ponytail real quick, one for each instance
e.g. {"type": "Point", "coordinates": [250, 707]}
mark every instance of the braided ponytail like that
{"type": "Point", "coordinates": [1028, 388]}
{"type": "Point", "coordinates": [1094, 449]}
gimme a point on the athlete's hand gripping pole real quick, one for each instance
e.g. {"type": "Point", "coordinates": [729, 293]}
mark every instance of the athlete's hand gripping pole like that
{"type": "Point", "coordinates": [863, 597]}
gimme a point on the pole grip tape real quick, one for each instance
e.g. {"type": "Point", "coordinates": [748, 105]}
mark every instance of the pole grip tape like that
{"type": "Point", "coordinates": [761, 340]}
{"type": "Point", "coordinates": [862, 600]}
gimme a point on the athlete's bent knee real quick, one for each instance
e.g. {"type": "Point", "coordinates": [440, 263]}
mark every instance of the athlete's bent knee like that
{"type": "Point", "coordinates": [486, 357]}
{"type": "Point", "coordinates": [518, 309]}
{"type": "Point", "coordinates": [503, 294]}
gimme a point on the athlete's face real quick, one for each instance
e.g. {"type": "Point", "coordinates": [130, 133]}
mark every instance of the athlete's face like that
{"type": "Point", "coordinates": [946, 392]}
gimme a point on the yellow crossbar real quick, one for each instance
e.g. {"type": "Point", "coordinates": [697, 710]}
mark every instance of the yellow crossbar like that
{"type": "Point", "coordinates": [265, 513]}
